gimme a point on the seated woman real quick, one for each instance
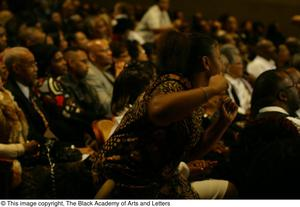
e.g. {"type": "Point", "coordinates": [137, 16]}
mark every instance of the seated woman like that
{"type": "Point", "coordinates": [163, 126]}
{"type": "Point", "coordinates": [129, 85]}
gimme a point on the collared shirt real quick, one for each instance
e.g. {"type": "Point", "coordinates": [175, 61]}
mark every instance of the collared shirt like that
{"type": "Point", "coordinates": [260, 65]}
{"type": "Point", "coordinates": [154, 18]}
{"type": "Point", "coordinates": [243, 92]}
{"type": "Point", "coordinates": [25, 89]}
{"type": "Point", "coordinates": [294, 120]}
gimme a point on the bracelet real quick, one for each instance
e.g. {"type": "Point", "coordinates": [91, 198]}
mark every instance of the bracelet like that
{"type": "Point", "coordinates": [205, 94]}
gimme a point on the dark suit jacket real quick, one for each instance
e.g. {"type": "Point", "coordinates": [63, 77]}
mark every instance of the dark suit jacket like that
{"type": "Point", "coordinates": [35, 121]}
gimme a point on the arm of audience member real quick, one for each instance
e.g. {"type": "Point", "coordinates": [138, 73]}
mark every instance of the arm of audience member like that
{"type": "Point", "coordinates": [217, 129]}
{"type": "Point", "coordinates": [164, 109]}
{"type": "Point", "coordinates": [200, 168]}
{"type": "Point", "coordinates": [104, 99]}
{"type": "Point", "coordinates": [11, 150]}
{"type": "Point", "coordinates": [3, 127]}
{"type": "Point", "coordinates": [17, 150]}
{"type": "Point", "coordinates": [154, 24]}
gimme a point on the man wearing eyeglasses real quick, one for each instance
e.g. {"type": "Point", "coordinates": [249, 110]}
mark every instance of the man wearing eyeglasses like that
{"type": "Point", "coordinates": [275, 100]}
{"type": "Point", "coordinates": [22, 68]}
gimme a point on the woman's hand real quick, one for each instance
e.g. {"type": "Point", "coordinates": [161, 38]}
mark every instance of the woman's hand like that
{"type": "Point", "coordinates": [218, 83]}
{"type": "Point", "coordinates": [31, 147]}
{"type": "Point", "coordinates": [228, 110]}
{"type": "Point", "coordinates": [201, 167]}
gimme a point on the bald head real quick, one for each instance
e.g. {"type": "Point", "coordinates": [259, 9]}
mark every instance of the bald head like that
{"type": "Point", "coordinates": [100, 53]}
{"type": "Point", "coordinates": [14, 55]}
{"type": "Point", "coordinates": [21, 64]}
{"type": "Point", "coordinates": [266, 49]}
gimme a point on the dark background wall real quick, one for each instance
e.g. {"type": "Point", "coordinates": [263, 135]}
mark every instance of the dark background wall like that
{"type": "Point", "coordinates": [266, 11]}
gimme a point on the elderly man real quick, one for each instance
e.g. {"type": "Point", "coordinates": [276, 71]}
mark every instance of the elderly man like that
{"type": "Point", "coordinates": [23, 73]}
{"type": "Point", "coordinates": [239, 89]}
{"type": "Point", "coordinates": [100, 57]}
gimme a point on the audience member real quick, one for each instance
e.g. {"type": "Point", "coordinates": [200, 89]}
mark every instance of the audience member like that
{"type": "Point", "coordinates": [98, 77]}
{"type": "Point", "coordinates": [161, 111]}
{"type": "Point", "coordinates": [154, 21]}
{"type": "Point", "coordinates": [264, 60]}
{"type": "Point", "coordinates": [275, 100]}
{"type": "Point", "coordinates": [239, 89]}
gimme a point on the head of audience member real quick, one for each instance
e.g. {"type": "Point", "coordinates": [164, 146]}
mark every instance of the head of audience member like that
{"type": "Point", "coordinates": [21, 65]}
{"type": "Point", "coordinates": [172, 52]}
{"type": "Point", "coordinates": [50, 60]}
{"type": "Point", "coordinates": [69, 7]}
{"type": "Point", "coordinates": [78, 39]}
{"type": "Point", "coordinates": [120, 51]}
{"type": "Point", "coordinates": [277, 88]}
{"type": "Point", "coordinates": [3, 39]}
{"type": "Point", "coordinates": [163, 4]}
{"type": "Point", "coordinates": [31, 35]}
{"type": "Point", "coordinates": [136, 51]}
{"type": "Point", "coordinates": [3, 70]}
{"type": "Point", "coordinates": [284, 57]}
{"type": "Point", "coordinates": [56, 18]}
{"type": "Point", "coordinates": [99, 53]}
{"type": "Point", "coordinates": [235, 65]}
{"type": "Point", "coordinates": [99, 27]}
{"type": "Point", "coordinates": [77, 62]}
{"type": "Point", "coordinates": [293, 44]}
{"type": "Point", "coordinates": [204, 59]}
{"type": "Point", "coordinates": [120, 55]}
{"type": "Point", "coordinates": [266, 49]}
{"type": "Point", "coordinates": [196, 56]}
{"type": "Point", "coordinates": [130, 84]}
{"type": "Point", "coordinates": [296, 61]}
{"type": "Point", "coordinates": [231, 24]}
{"type": "Point", "coordinates": [124, 9]}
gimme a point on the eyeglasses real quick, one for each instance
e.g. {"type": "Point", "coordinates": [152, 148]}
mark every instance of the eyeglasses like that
{"type": "Point", "coordinates": [31, 64]}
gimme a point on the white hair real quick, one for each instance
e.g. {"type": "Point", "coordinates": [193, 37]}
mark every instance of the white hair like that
{"type": "Point", "coordinates": [13, 55]}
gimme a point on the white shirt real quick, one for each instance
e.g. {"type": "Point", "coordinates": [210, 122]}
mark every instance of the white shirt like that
{"type": "Point", "coordinates": [294, 120]}
{"type": "Point", "coordinates": [25, 89]}
{"type": "Point", "coordinates": [260, 65]}
{"type": "Point", "coordinates": [243, 91]}
{"type": "Point", "coordinates": [154, 18]}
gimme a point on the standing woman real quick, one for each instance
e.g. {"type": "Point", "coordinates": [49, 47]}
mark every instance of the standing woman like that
{"type": "Point", "coordinates": [163, 127]}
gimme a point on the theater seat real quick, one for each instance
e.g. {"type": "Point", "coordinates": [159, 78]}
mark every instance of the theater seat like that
{"type": "Point", "coordinates": [102, 129]}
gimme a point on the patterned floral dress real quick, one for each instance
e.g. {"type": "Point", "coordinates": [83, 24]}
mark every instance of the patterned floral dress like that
{"type": "Point", "coordinates": [142, 158]}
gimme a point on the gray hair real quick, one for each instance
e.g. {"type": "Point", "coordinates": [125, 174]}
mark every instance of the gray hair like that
{"type": "Point", "coordinates": [13, 55]}
{"type": "Point", "coordinates": [230, 52]}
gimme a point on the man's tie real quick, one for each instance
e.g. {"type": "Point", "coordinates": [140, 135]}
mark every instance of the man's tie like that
{"type": "Point", "coordinates": [38, 110]}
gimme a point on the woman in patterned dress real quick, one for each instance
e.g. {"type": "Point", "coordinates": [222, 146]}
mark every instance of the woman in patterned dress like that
{"type": "Point", "coordinates": [163, 127]}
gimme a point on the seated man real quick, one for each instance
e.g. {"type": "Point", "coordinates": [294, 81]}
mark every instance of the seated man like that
{"type": "Point", "coordinates": [239, 89]}
{"type": "Point", "coordinates": [81, 106]}
{"type": "Point", "coordinates": [275, 100]}
{"type": "Point", "coordinates": [100, 57]}
{"type": "Point", "coordinates": [22, 68]}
